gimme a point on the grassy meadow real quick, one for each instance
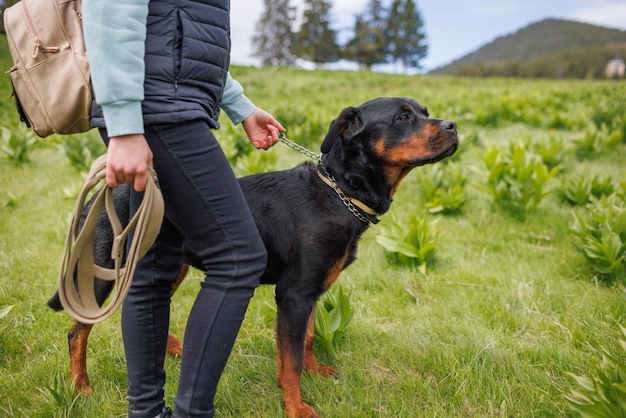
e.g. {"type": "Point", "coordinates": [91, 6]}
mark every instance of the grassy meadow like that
{"type": "Point", "coordinates": [491, 325]}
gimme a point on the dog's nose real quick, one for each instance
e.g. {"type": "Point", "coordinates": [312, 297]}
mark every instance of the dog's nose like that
{"type": "Point", "coordinates": [448, 125]}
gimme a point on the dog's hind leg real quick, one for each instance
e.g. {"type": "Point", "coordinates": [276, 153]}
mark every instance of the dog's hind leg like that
{"type": "Point", "coordinates": [310, 361]}
{"type": "Point", "coordinates": [77, 341]}
{"type": "Point", "coordinates": [174, 345]}
{"type": "Point", "coordinates": [78, 338]}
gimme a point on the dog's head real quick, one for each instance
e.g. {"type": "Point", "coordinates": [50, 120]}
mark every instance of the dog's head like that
{"type": "Point", "coordinates": [372, 147]}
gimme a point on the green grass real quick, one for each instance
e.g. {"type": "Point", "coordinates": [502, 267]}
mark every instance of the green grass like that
{"type": "Point", "coordinates": [507, 309]}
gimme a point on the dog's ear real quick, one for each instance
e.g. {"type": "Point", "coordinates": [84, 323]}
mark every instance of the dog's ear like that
{"type": "Point", "coordinates": [347, 125]}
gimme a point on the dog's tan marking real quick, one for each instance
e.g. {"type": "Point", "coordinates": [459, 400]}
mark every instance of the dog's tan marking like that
{"type": "Point", "coordinates": [288, 376]}
{"type": "Point", "coordinates": [78, 335]}
{"type": "Point", "coordinates": [334, 271]}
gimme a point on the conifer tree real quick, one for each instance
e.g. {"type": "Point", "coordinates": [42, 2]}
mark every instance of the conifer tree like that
{"type": "Point", "coordinates": [316, 41]}
{"type": "Point", "coordinates": [274, 41]}
{"type": "Point", "coordinates": [406, 39]}
{"type": "Point", "coordinates": [369, 46]}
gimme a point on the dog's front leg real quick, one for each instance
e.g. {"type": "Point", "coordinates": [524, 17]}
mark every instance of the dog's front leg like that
{"type": "Point", "coordinates": [291, 330]}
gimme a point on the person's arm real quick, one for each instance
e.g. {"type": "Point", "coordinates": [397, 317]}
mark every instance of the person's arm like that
{"type": "Point", "coordinates": [234, 102]}
{"type": "Point", "coordinates": [261, 127]}
{"type": "Point", "coordinates": [115, 32]}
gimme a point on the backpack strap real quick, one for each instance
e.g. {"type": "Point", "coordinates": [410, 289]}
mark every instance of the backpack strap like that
{"type": "Point", "coordinates": [78, 271]}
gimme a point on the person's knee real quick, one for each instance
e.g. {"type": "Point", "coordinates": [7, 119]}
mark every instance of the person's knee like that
{"type": "Point", "coordinates": [255, 261]}
{"type": "Point", "coordinates": [261, 257]}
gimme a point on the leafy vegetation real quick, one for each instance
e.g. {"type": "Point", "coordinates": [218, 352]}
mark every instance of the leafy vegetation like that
{"type": "Point", "coordinates": [62, 394]}
{"type": "Point", "coordinates": [597, 141]}
{"type": "Point", "coordinates": [332, 317]}
{"type": "Point", "coordinates": [516, 179]}
{"type": "Point", "coordinates": [16, 143]}
{"type": "Point", "coordinates": [443, 188]}
{"type": "Point", "coordinates": [600, 234]}
{"type": "Point", "coordinates": [82, 150]}
{"type": "Point", "coordinates": [579, 188]}
{"type": "Point", "coordinates": [505, 311]}
{"type": "Point", "coordinates": [411, 243]}
{"type": "Point", "coordinates": [602, 395]}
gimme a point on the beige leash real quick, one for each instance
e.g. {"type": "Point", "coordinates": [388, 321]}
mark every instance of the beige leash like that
{"type": "Point", "coordinates": [78, 297]}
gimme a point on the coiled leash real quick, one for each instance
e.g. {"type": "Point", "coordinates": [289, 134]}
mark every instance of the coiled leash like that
{"type": "Point", "coordinates": [78, 296]}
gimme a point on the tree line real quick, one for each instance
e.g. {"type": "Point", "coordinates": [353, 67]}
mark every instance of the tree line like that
{"type": "Point", "coordinates": [581, 63]}
{"type": "Point", "coordinates": [383, 33]}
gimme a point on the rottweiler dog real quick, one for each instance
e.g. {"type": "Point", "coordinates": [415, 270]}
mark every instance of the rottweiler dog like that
{"type": "Point", "coordinates": [311, 218]}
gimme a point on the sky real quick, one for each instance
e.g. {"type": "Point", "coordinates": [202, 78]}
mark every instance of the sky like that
{"type": "Point", "coordinates": [453, 28]}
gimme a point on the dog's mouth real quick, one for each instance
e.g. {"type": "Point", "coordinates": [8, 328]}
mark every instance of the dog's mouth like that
{"type": "Point", "coordinates": [443, 148]}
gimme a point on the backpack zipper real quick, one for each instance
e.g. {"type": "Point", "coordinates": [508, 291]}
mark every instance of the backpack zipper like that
{"type": "Point", "coordinates": [35, 33]}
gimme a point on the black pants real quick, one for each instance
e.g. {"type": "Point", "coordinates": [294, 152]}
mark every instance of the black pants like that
{"type": "Point", "coordinates": [205, 208]}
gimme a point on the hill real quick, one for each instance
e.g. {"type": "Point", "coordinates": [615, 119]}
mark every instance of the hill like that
{"type": "Point", "coordinates": [550, 48]}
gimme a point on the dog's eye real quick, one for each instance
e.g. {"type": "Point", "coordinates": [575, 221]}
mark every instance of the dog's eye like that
{"type": "Point", "coordinates": [404, 117]}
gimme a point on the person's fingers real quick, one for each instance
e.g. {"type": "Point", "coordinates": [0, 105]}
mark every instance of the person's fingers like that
{"type": "Point", "coordinates": [140, 181]}
{"type": "Point", "coordinates": [111, 177]}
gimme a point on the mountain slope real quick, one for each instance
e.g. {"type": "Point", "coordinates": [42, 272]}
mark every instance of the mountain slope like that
{"type": "Point", "coordinates": [539, 43]}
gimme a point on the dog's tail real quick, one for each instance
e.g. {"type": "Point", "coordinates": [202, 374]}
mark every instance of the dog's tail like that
{"type": "Point", "coordinates": [55, 302]}
{"type": "Point", "coordinates": [102, 290]}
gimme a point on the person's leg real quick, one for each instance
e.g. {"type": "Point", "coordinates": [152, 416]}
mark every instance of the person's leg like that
{"type": "Point", "coordinates": [145, 317]}
{"type": "Point", "coordinates": [204, 202]}
{"type": "Point", "coordinates": [145, 320]}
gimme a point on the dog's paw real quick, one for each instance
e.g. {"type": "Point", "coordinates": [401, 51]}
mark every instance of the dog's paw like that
{"type": "Point", "coordinates": [82, 384]}
{"type": "Point", "coordinates": [326, 371]}
{"type": "Point", "coordinates": [301, 411]}
{"type": "Point", "coordinates": [174, 346]}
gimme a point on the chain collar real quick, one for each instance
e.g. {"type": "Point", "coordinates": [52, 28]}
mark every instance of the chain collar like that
{"type": "Point", "coordinates": [283, 138]}
{"type": "Point", "coordinates": [321, 170]}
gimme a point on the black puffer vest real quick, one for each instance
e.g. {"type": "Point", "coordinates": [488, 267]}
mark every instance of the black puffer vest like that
{"type": "Point", "coordinates": [187, 58]}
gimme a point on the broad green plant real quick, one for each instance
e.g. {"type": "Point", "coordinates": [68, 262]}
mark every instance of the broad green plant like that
{"type": "Point", "coordinates": [16, 143]}
{"type": "Point", "coordinates": [443, 188]}
{"type": "Point", "coordinates": [81, 150]}
{"type": "Point", "coordinates": [467, 139]}
{"type": "Point", "coordinates": [597, 141]}
{"type": "Point", "coordinates": [332, 316]}
{"type": "Point", "coordinates": [412, 244]}
{"type": "Point", "coordinates": [602, 395]}
{"type": "Point", "coordinates": [578, 189]}
{"type": "Point", "coordinates": [255, 162]}
{"type": "Point", "coordinates": [552, 150]}
{"type": "Point", "coordinates": [516, 178]}
{"type": "Point", "coordinates": [600, 235]}
{"type": "Point", "coordinates": [233, 141]}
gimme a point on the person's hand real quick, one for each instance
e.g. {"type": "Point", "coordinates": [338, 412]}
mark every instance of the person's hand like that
{"type": "Point", "coordinates": [262, 129]}
{"type": "Point", "coordinates": [128, 158]}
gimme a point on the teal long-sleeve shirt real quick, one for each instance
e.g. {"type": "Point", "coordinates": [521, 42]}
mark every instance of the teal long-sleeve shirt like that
{"type": "Point", "coordinates": [115, 33]}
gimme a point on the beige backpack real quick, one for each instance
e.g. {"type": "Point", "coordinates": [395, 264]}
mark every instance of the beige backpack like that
{"type": "Point", "coordinates": [50, 75]}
